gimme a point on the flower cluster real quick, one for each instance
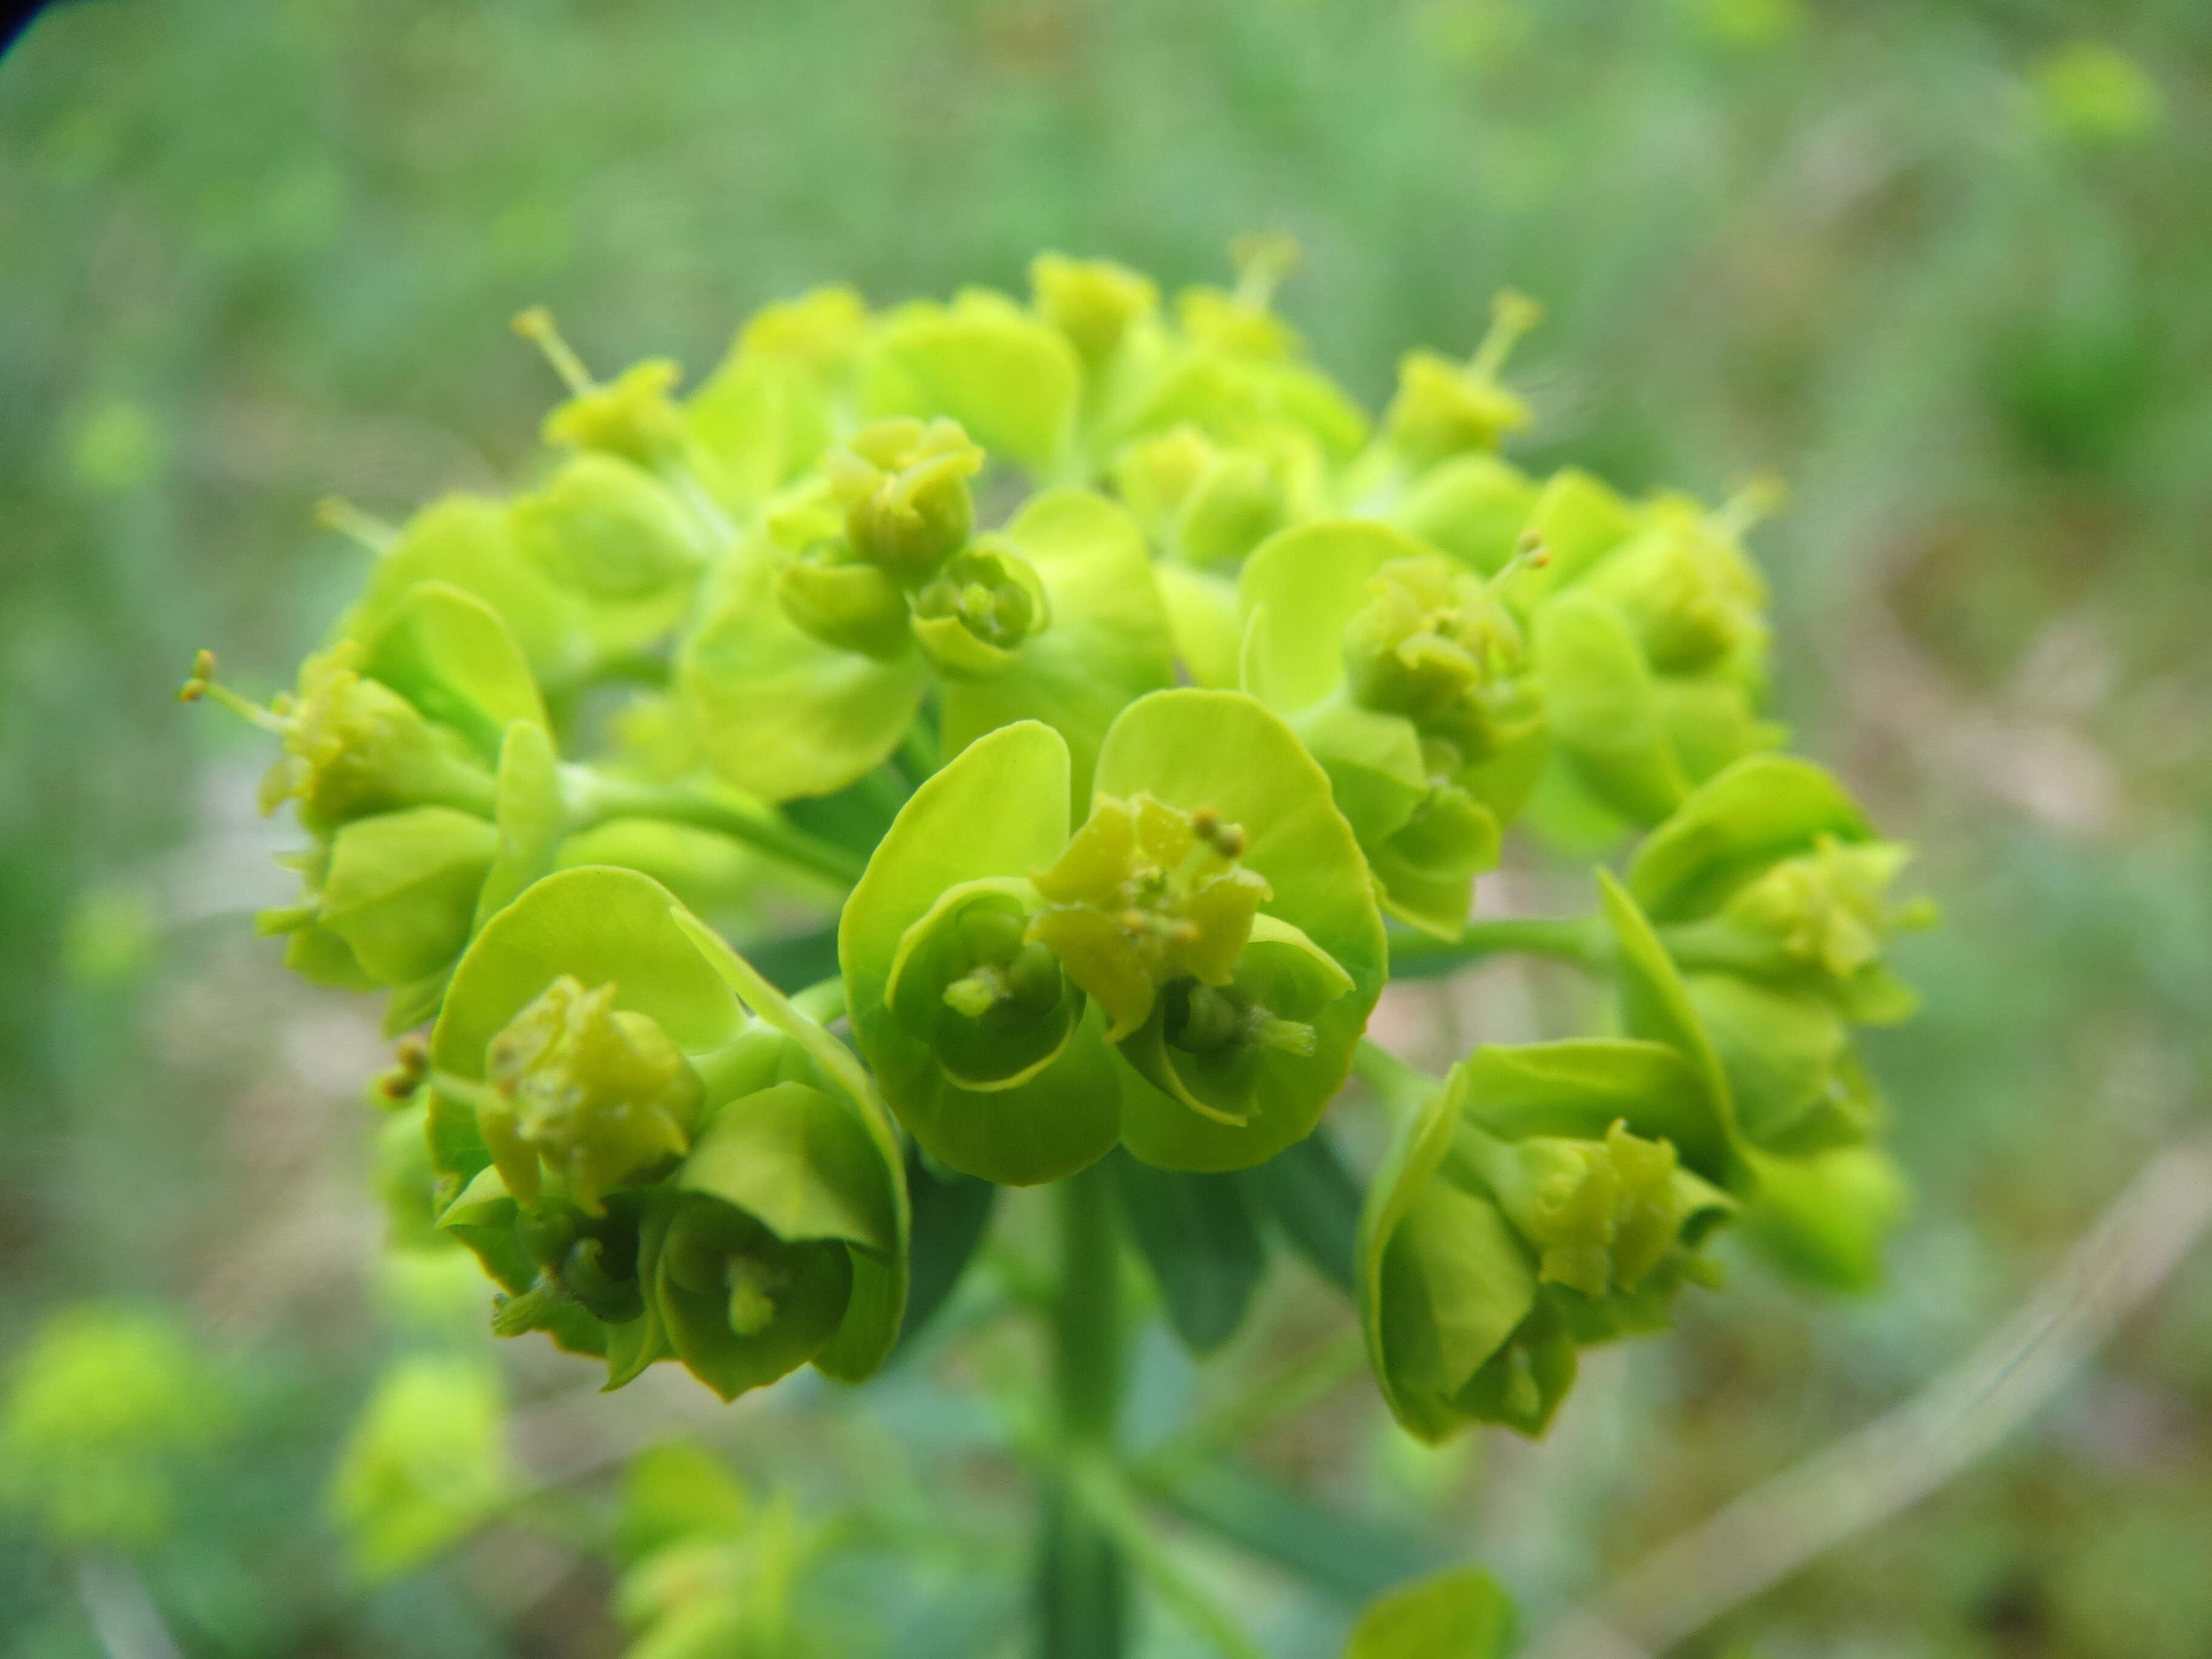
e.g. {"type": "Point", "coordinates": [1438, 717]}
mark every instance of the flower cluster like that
{"type": "Point", "coordinates": [1076, 701]}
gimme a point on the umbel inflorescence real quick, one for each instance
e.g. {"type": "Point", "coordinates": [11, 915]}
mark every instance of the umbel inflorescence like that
{"type": "Point", "coordinates": [1065, 710]}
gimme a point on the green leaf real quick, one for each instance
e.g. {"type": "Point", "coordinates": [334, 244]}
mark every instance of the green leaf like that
{"type": "Point", "coordinates": [1457, 1613]}
{"type": "Point", "coordinates": [1604, 708]}
{"type": "Point", "coordinates": [1010, 378]}
{"type": "Point", "coordinates": [604, 925]}
{"type": "Point", "coordinates": [780, 713]}
{"type": "Point", "coordinates": [1197, 1234]}
{"type": "Point", "coordinates": [1762, 808]}
{"type": "Point", "coordinates": [447, 652]}
{"type": "Point", "coordinates": [402, 887]}
{"type": "Point", "coordinates": [1192, 749]}
{"type": "Point", "coordinates": [999, 809]}
{"type": "Point", "coordinates": [1306, 1191]}
{"type": "Point", "coordinates": [1108, 641]}
{"type": "Point", "coordinates": [530, 817]}
{"type": "Point", "coordinates": [1579, 1087]}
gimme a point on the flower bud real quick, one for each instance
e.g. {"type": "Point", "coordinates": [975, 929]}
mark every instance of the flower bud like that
{"type": "Point", "coordinates": [845, 602]}
{"type": "Point", "coordinates": [1445, 409]}
{"type": "Point", "coordinates": [1202, 503]}
{"type": "Point", "coordinates": [1144, 894]}
{"type": "Point", "coordinates": [972, 618]}
{"type": "Point", "coordinates": [597, 1095]}
{"type": "Point", "coordinates": [993, 1005]}
{"type": "Point", "coordinates": [1092, 302]}
{"type": "Point", "coordinates": [606, 529]}
{"type": "Point", "coordinates": [353, 746]}
{"type": "Point", "coordinates": [904, 488]}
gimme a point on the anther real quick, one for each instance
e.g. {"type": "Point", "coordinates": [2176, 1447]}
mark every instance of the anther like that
{"type": "Point", "coordinates": [204, 685]}
{"type": "Point", "coordinates": [1511, 315]}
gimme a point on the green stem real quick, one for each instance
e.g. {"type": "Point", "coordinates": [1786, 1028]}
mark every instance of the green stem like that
{"type": "Point", "coordinates": [593, 797]}
{"type": "Point", "coordinates": [1581, 940]}
{"type": "Point", "coordinates": [1116, 1511]}
{"type": "Point", "coordinates": [1082, 1577]}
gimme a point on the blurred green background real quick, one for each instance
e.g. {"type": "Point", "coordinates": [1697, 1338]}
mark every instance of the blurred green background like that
{"type": "Point", "coordinates": [1947, 264]}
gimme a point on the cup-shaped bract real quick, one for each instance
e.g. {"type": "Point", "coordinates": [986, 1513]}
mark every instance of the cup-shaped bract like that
{"type": "Point", "coordinates": [1772, 872]}
{"type": "Point", "coordinates": [1407, 680]}
{"type": "Point", "coordinates": [972, 616]}
{"type": "Point", "coordinates": [985, 1074]}
{"type": "Point", "coordinates": [608, 1078]}
{"type": "Point", "coordinates": [467, 542]}
{"type": "Point", "coordinates": [801, 675]}
{"type": "Point", "coordinates": [1650, 631]}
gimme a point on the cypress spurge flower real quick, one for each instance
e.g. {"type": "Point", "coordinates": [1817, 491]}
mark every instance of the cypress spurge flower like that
{"type": "Point", "coordinates": [1407, 680]}
{"type": "Point", "coordinates": [1188, 971]}
{"type": "Point", "coordinates": [654, 1153]}
{"type": "Point", "coordinates": [1540, 1197]}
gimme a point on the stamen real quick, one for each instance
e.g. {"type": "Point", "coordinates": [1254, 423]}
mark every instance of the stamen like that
{"type": "Point", "coordinates": [334, 512]}
{"type": "Point", "coordinates": [204, 684]}
{"type": "Point", "coordinates": [1759, 497]}
{"type": "Point", "coordinates": [1511, 315]}
{"type": "Point", "coordinates": [1261, 263]}
{"type": "Point", "coordinates": [535, 325]}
